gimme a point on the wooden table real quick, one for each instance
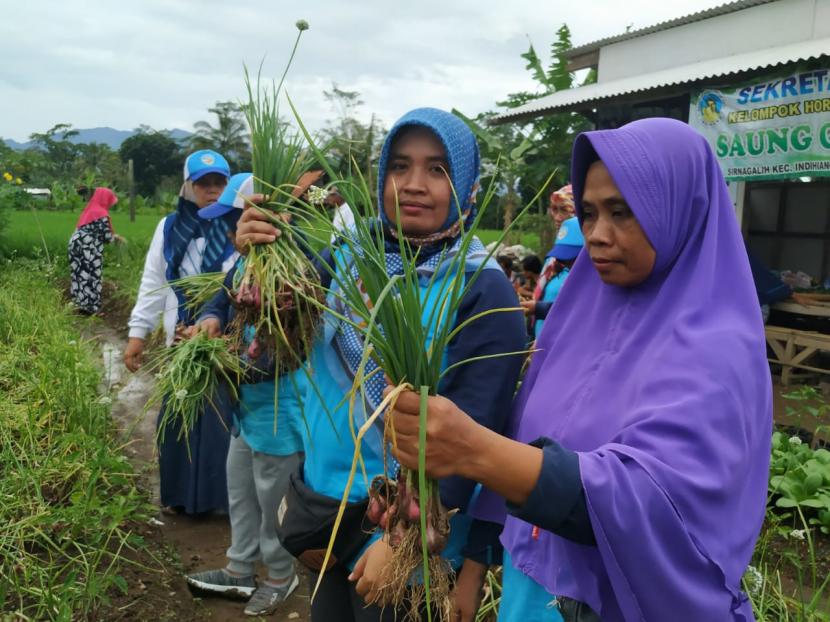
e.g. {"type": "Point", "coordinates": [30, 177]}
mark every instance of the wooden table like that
{"type": "Point", "coordinates": [793, 349]}
{"type": "Point", "coordinates": [815, 309]}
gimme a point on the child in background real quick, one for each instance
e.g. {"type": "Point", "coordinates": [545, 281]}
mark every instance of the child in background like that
{"type": "Point", "coordinates": [531, 269]}
{"type": "Point", "coordinates": [259, 461]}
{"type": "Point", "coordinates": [569, 242]}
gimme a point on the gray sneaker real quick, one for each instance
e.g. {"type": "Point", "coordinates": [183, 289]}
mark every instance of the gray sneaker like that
{"type": "Point", "coordinates": [223, 583]}
{"type": "Point", "coordinates": [267, 598]}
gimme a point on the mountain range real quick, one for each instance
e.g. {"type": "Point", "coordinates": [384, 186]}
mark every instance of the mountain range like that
{"type": "Point", "coordinates": [106, 135]}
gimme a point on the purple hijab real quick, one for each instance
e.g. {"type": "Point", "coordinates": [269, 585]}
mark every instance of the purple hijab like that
{"type": "Point", "coordinates": [664, 392]}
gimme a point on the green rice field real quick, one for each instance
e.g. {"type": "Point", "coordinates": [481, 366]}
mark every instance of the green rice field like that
{"type": "Point", "coordinates": [36, 229]}
{"type": "Point", "coordinates": [31, 230]}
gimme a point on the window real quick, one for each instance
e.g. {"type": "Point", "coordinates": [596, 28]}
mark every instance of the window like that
{"type": "Point", "coordinates": [789, 225]}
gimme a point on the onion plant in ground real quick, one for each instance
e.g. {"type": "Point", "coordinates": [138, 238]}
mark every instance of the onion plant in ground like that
{"type": "Point", "coordinates": [68, 495]}
{"type": "Point", "coordinates": [790, 574]}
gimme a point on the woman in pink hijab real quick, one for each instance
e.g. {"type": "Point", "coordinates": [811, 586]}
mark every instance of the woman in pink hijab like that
{"type": "Point", "coordinates": [86, 250]}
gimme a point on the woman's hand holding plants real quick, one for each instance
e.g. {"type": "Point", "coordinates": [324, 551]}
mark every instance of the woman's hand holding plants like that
{"type": "Point", "coordinates": [452, 435]}
{"type": "Point", "coordinates": [255, 227]}
{"type": "Point", "coordinates": [209, 325]}
{"type": "Point", "coordinates": [457, 445]}
{"type": "Point", "coordinates": [368, 569]}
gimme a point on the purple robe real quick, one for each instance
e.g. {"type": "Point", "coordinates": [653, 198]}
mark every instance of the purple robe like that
{"type": "Point", "coordinates": [663, 390]}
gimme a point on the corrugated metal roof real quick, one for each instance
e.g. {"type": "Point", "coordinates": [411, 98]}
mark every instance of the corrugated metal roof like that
{"type": "Point", "coordinates": [723, 9]}
{"type": "Point", "coordinates": [705, 70]}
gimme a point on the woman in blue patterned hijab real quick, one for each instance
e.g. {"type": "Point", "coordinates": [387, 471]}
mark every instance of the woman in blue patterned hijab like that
{"type": "Point", "coordinates": [460, 161]}
{"type": "Point", "coordinates": [427, 179]}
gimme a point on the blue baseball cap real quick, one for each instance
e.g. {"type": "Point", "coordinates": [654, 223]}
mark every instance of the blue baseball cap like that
{"type": "Point", "coordinates": [232, 197]}
{"type": "Point", "coordinates": [205, 161]}
{"type": "Point", "coordinates": [569, 240]}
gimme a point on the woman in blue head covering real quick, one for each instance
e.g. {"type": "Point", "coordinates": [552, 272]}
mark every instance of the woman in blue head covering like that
{"type": "Point", "coordinates": [184, 245]}
{"type": "Point", "coordinates": [558, 264]}
{"type": "Point", "coordinates": [422, 149]}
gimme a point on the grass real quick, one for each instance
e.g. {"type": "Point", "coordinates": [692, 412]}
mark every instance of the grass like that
{"type": "Point", "coordinates": [69, 496]}
{"type": "Point", "coordinates": [44, 235]}
{"type": "Point", "coordinates": [24, 231]}
{"type": "Point", "coordinates": [28, 230]}
{"type": "Point", "coordinates": [526, 238]}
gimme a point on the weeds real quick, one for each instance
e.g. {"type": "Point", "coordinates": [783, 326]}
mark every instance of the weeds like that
{"type": "Point", "coordinates": [68, 496]}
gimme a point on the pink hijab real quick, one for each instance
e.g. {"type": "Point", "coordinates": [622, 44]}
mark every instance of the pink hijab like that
{"type": "Point", "coordinates": [562, 197]}
{"type": "Point", "coordinates": [98, 207]}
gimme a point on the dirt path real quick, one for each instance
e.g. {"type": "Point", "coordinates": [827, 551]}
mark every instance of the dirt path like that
{"type": "Point", "coordinates": [199, 543]}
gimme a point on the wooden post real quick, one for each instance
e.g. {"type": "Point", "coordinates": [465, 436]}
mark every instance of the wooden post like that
{"type": "Point", "coordinates": [131, 179]}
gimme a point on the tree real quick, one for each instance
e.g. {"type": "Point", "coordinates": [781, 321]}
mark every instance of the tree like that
{"type": "Point", "coordinates": [98, 164]}
{"type": "Point", "coordinates": [30, 165]}
{"type": "Point", "coordinates": [531, 152]}
{"type": "Point", "coordinates": [498, 145]}
{"type": "Point", "coordinates": [59, 152]}
{"type": "Point", "coordinates": [555, 132]}
{"type": "Point", "coordinates": [55, 161]}
{"type": "Point", "coordinates": [348, 140]}
{"type": "Point", "coordinates": [155, 155]}
{"type": "Point", "coordinates": [230, 136]}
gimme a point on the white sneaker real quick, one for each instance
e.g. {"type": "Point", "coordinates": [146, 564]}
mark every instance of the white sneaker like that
{"type": "Point", "coordinates": [267, 597]}
{"type": "Point", "coordinates": [223, 583]}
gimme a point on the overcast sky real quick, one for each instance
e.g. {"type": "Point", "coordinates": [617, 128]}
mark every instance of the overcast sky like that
{"type": "Point", "coordinates": [165, 62]}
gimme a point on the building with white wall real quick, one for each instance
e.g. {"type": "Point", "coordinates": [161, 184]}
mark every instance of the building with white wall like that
{"type": "Point", "coordinates": [754, 77]}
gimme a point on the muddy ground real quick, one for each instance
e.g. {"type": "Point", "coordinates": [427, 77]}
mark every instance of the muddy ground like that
{"type": "Point", "coordinates": [179, 544]}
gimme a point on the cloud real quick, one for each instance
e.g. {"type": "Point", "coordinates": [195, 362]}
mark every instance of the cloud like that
{"type": "Point", "coordinates": [165, 62]}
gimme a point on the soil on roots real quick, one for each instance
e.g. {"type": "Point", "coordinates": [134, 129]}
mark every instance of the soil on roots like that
{"type": "Point", "coordinates": [285, 333]}
{"type": "Point", "coordinates": [402, 581]}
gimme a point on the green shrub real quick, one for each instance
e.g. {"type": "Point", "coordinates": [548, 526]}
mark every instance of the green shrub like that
{"type": "Point", "coordinates": [69, 496]}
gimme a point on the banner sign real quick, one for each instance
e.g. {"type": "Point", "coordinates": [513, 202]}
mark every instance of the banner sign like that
{"type": "Point", "coordinates": [771, 128]}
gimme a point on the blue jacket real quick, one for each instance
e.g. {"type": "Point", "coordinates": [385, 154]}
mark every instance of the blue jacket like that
{"type": "Point", "coordinates": [549, 296]}
{"type": "Point", "coordinates": [277, 434]}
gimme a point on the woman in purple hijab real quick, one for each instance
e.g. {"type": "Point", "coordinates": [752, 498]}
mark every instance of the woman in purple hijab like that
{"type": "Point", "coordinates": [637, 480]}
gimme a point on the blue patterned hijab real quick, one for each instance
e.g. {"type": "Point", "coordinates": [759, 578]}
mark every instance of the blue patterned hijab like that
{"type": "Point", "coordinates": [462, 156]}
{"type": "Point", "coordinates": [463, 159]}
{"type": "Point", "coordinates": [183, 226]}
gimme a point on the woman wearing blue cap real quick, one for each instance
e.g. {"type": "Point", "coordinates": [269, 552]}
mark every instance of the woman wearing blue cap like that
{"type": "Point", "coordinates": [560, 259]}
{"type": "Point", "coordinates": [421, 150]}
{"type": "Point", "coordinates": [184, 245]}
